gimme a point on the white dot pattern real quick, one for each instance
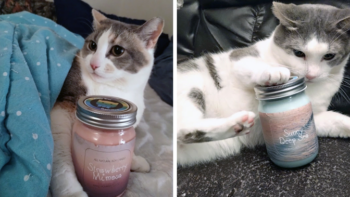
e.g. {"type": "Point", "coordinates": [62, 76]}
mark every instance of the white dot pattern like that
{"type": "Point", "coordinates": [26, 177]}
{"type": "Point", "coordinates": [18, 113]}
{"type": "Point", "coordinates": [38, 63]}
{"type": "Point", "coordinates": [26, 78]}
{"type": "Point", "coordinates": [4, 74]}
{"type": "Point", "coordinates": [35, 136]}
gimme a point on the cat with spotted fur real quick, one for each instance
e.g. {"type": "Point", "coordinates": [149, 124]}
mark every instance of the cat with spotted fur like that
{"type": "Point", "coordinates": [116, 60]}
{"type": "Point", "coordinates": [217, 111]}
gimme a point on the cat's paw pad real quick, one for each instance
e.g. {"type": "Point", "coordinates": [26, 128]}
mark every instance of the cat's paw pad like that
{"type": "Point", "coordinates": [140, 164]}
{"type": "Point", "coordinates": [78, 194]}
{"type": "Point", "coordinates": [273, 76]}
{"type": "Point", "coordinates": [244, 121]}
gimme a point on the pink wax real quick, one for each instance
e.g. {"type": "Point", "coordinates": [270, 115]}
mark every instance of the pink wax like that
{"type": "Point", "coordinates": [102, 157]}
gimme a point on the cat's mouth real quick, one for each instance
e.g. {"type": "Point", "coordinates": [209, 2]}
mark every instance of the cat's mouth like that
{"type": "Point", "coordinates": [95, 75]}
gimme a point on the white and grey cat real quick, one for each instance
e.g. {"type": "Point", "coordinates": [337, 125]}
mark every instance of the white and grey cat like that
{"type": "Point", "coordinates": [116, 60]}
{"type": "Point", "coordinates": [217, 107]}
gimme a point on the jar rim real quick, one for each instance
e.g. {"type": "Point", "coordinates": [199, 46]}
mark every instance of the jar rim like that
{"type": "Point", "coordinates": [100, 127]}
{"type": "Point", "coordinates": [294, 86]}
{"type": "Point", "coordinates": [106, 112]}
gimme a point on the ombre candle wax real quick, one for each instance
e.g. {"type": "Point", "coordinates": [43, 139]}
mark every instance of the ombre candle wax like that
{"type": "Point", "coordinates": [288, 125]}
{"type": "Point", "coordinates": [103, 144]}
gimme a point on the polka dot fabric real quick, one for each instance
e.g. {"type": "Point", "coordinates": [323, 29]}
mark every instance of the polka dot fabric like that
{"type": "Point", "coordinates": [35, 57]}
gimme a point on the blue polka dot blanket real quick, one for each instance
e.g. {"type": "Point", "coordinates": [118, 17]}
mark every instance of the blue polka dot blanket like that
{"type": "Point", "coordinates": [35, 57]}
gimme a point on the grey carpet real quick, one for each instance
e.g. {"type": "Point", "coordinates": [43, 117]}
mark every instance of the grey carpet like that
{"type": "Point", "coordinates": [251, 174]}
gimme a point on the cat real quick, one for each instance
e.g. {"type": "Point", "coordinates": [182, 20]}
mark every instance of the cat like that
{"type": "Point", "coordinates": [217, 110]}
{"type": "Point", "coordinates": [116, 60]}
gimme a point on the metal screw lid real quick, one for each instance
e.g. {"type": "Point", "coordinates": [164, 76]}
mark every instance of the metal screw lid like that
{"type": "Point", "coordinates": [106, 112]}
{"type": "Point", "coordinates": [293, 86]}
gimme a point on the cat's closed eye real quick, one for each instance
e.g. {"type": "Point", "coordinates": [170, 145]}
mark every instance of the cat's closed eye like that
{"type": "Point", "coordinates": [298, 53]}
{"type": "Point", "coordinates": [117, 50]}
{"type": "Point", "coordinates": [92, 46]}
{"type": "Point", "coordinates": [329, 56]}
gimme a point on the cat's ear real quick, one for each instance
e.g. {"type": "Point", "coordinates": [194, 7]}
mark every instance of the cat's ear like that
{"type": "Point", "coordinates": [98, 17]}
{"type": "Point", "coordinates": [343, 21]}
{"type": "Point", "coordinates": [150, 31]}
{"type": "Point", "coordinates": [288, 14]}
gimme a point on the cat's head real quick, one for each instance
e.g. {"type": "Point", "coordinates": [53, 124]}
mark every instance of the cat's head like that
{"type": "Point", "coordinates": [115, 50]}
{"type": "Point", "coordinates": [314, 39]}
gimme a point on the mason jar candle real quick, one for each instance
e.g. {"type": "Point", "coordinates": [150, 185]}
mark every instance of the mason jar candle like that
{"type": "Point", "coordinates": [103, 140]}
{"type": "Point", "coordinates": [288, 124]}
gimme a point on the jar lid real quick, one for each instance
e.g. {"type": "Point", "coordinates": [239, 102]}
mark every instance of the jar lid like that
{"type": "Point", "coordinates": [106, 112]}
{"type": "Point", "coordinates": [293, 86]}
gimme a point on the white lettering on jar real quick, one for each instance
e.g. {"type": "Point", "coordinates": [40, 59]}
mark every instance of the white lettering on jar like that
{"type": "Point", "coordinates": [106, 174]}
{"type": "Point", "coordinates": [297, 133]}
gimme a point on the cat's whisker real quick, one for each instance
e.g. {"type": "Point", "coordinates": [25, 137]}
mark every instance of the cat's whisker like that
{"type": "Point", "coordinates": [347, 81]}
{"type": "Point", "coordinates": [86, 22]}
{"type": "Point", "coordinates": [343, 93]}
{"type": "Point", "coordinates": [341, 33]}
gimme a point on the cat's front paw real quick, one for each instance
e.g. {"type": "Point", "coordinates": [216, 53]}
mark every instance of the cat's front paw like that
{"type": "Point", "coordinates": [273, 76]}
{"type": "Point", "coordinates": [244, 121]}
{"type": "Point", "coordinates": [140, 164]}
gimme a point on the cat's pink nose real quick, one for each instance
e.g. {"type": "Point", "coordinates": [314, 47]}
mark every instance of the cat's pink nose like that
{"type": "Point", "coordinates": [94, 66]}
{"type": "Point", "coordinates": [310, 77]}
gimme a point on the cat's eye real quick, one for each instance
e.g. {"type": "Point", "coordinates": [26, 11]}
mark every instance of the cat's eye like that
{"type": "Point", "coordinates": [92, 46]}
{"type": "Point", "coordinates": [329, 56]}
{"type": "Point", "coordinates": [298, 53]}
{"type": "Point", "coordinates": [117, 50]}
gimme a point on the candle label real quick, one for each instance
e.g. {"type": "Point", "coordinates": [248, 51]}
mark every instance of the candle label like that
{"type": "Point", "coordinates": [107, 104]}
{"type": "Point", "coordinates": [103, 169]}
{"type": "Point", "coordinates": [290, 135]}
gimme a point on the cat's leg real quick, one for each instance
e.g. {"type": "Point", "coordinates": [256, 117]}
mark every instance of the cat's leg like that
{"type": "Point", "coordinates": [139, 164]}
{"type": "Point", "coordinates": [252, 71]}
{"type": "Point", "coordinates": [332, 124]}
{"type": "Point", "coordinates": [64, 181]}
{"type": "Point", "coordinates": [212, 129]}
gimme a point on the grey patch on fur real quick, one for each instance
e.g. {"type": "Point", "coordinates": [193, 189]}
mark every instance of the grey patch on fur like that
{"type": "Point", "coordinates": [195, 137]}
{"type": "Point", "coordinates": [209, 62]}
{"type": "Point", "coordinates": [73, 87]}
{"type": "Point", "coordinates": [197, 96]}
{"type": "Point", "coordinates": [135, 56]}
{"type": "Point", "coordinates": [238, 54]}
{"type": "Point", "coordinates": [299, 23]}
{"type": "Point", "coordinates": [187, 66]}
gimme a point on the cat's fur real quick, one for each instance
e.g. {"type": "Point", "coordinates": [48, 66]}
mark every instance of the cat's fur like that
{"type": "Point", "coordinates": [216, 101]}
{"type": "Point", "coordinates": [99, 72]}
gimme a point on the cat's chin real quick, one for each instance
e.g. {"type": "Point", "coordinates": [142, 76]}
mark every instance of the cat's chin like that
{"type": "Point", "coordinates": [97, 77]}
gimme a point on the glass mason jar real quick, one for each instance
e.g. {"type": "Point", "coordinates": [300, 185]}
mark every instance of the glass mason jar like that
{"type": "Point", "coordinates": [103, 140]}
{"type": "Point", "coordinates": [287, 121]}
